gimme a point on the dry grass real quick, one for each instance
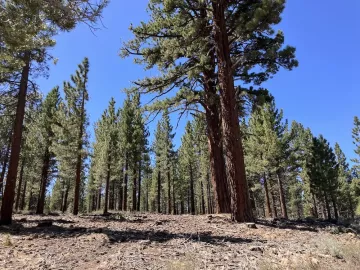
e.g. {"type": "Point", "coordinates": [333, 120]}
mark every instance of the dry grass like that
{"type": "Point", "coordinates": [7, 241]}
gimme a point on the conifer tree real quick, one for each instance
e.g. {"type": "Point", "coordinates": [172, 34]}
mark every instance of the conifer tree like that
{"type": "Point", "coordinates": [323, 174]}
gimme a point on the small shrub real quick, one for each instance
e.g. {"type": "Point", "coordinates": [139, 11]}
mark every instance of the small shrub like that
{"type": "Point", "coordinates": [7, 241]}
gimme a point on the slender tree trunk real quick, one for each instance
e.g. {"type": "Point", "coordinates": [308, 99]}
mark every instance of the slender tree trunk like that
{"type": "Point", "coordinates": [327, 205]}
{"type": "Point", "coordinates": [107, 185]}
{"type": "Point", "coordinates": [209, 200]}
{"type": "Point", "coordinates": [19, 186]}
{"type": "Point", "coordinates": [44, 181]}
{"type": "Point", "coordinates": [9, 194]}
{"type": "Point", "coordinates": [182, 208]}
{"type": "Point", "coordinates": [234, 158]}
{"type": "Point", "coordinates": [121, 191]}
{"type": "Point", "coordinates": [23, 196]}
{"type": "Point", "coordinates": [158, 192]}
{"type": "Point", "coordinates": [273, 198]}
{"type": "Point", "coordinates": [125, 183]}
{"type": "Point", "coordinates": [64, 207]}
{"type": "Point", "coordinates": [192, 195]}
{"type": "Point", "coordinates": [169, 192]}
{"type": "Point", "coordinates": [134, 204]}
{"type": "Point", "coordinates": [333, 199]}
{"type": "Point", "coordinates": [174, 212]}
{"type": "Point", "coordinates": [147, 197]}
{"type": "Point", "coordinates": [314, 205]}
{"type": "Point", "coordinates": [99, 199]}
{"type": "Point", "coordinates": [268, 212]}
{"type": "Point", "coordinates": [282, 197]}
{"type": "Point", "coordinates": [4, 166]}
{"type": "Point", "coordinates": [79, 161]}
{"type": "Point", "coordinates": [202, 198]}
{"type": "Point", "coordinates": [139, 184]}
{"type": "Point", "coordinates": [112, 196]}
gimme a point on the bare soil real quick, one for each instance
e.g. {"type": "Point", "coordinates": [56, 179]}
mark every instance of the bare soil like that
{"type": "Point", "coordinates": [152, 241]}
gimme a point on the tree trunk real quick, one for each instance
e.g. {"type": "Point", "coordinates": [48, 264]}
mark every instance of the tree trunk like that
{"type": "Point", "coordinates": [273, 198]}
{"type": "Point", "coordinates": [327, 205]}
{"type": "Point", "coordinates": [209, 200]}
{"type": "Point", "coordinates": [314, 206]}
{"type": "Point", "coordinates": [202, 198]}
{"type": "Point", "coordinates": [23, 196]}
{"type": "Point", "coordinates": [108, 173]}
{"type": "Point", "coordinates": [64, 206]}
{"type": "Point", "coordinates": [134, 204]}
{"type": "Point", "coordinates": [268, 212]}
{"type": "Point", "coordinates": [282, 197]}
{"type": "Point", "coordinates": [169, 192]}
{"type": "Point", "coordinates": [213, 119]}
{"type": "Point", "coordinates": [175, 210]}
{"type": "Point", "coordinates": [139, 184]}
{"type": "Point", "coordinates": [192, 196]}
{"type": "Point", "coordinates": [112, 196]}
{"type": "Point", "coordinates": [4, 166]}
{"type": "Point", "coordinates": [9, 194]}
{"type": "Point", "coordinates": [79, 161]}
{"type": "Point", "coordinates": [98, 204]}
{"type": "Point", "coordinates": [333, 198]}
{"type": "Point", "coordinates": [158, 192]}
{"type": "Point", "coordinates": [125, 183]}
{"type": "Point", "coordinates": [44, 181]}
{"type": "Point", "coordinates": [20, 184]}
{"type": "Point", "coordinates": [121, 192]}
{"type": "Point", "coordinates": [234, 158]}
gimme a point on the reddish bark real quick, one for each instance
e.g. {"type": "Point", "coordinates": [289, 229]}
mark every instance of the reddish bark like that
{"type": "Point", "coordinates": [9, 194]}
{"type": "Point", "coordinates": [234, 157]}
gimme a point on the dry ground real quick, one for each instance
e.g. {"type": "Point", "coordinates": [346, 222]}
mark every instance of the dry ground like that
{"type": "Point", "coordinates": [150, 241]}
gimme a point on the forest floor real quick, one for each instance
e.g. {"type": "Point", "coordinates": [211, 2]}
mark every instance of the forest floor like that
{"type": "Point", "coordinates": [153, 241]}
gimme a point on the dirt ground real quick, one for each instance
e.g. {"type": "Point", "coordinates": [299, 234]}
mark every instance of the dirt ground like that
{"type": "Point", "coordinates": [151, 241]}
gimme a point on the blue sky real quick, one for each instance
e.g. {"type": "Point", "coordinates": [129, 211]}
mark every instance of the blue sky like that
{"type": "Point", "coordinates": [322, 93]}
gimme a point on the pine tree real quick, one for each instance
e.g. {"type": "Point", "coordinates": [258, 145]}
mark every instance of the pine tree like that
{"type": "Point", "coordinates": [323, 174]}
{"type": "Point", "coordinates": [36, 24]}
{"type": "Point", "coordinates": [346, 196]}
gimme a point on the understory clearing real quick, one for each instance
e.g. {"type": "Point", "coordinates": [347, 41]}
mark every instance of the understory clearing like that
{"type": "Point", "coordinates": [155, 241]}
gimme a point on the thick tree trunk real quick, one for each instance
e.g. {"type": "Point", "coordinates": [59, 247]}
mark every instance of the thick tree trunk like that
{"type": "Point", "coordinates": [282, 197]}
{"type": "Point", "coordinates": [139, 185]}
{"type": "Point", "coordinates": [19, 185]}
{"type": "Point", "coordinates": [4, 166]}
{"type": "Point", "coordinates": [125, 183]}
{"type": "Point", "coordinates": [192, 195]}
{"type": "Point", "coordinates": [217, 162]}
{"type": "Point", "coordinates": [9, 194]}
{"type": "Point", "coordinates": [268, 212]}
{"type": "Point", "coordinates": [44, 181]}
{"type": "Point", "coordinates": [79, 161]}
{"type": "Point", "coordinates": [234, 157]}
{"type": "Point", "coordinates": [169, 192]}
{"type": "Point", "coordinates": [134, 204]}
{"type": "Point", "coordinates": [158, 192]}
{"type": "Point", "coordinates": [107, 185]}
{"type": "Point", "coordinates": [202, 198]}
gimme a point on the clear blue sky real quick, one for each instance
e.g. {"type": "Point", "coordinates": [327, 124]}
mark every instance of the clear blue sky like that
{"type": "Point", "coordinates": [322, 93]}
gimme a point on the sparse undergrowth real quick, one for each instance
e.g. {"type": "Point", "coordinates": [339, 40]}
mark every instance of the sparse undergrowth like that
{"type": "Point", "coordinates": [153, 241]}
